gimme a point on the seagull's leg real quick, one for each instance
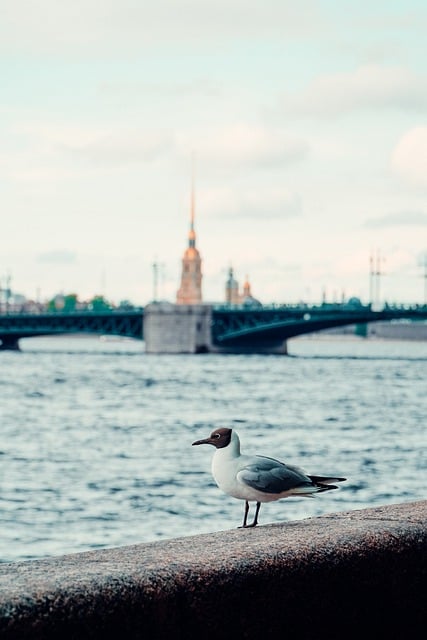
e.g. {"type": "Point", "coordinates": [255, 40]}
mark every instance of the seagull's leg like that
{"type": "Point", "coordinates": [245, 519]}
{"type": "Point", "coordinates": [255, 522]}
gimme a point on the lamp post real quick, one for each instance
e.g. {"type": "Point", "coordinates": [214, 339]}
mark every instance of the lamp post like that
{"type": "Point", "coordinates": [8, 292]}
{"type": "Point", "coordinates": [375, 273]}
{"type": "Point", "coordinates": [425, 279]}
{"type": "Point", "coordinates": [158, 279]}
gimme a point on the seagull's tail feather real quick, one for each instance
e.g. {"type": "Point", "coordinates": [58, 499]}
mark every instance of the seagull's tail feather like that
{"type": "Point", "coordinates": [324, 482]}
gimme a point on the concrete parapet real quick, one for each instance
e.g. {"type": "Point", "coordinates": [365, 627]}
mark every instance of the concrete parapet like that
{"type": "Point", "coordinates": [346, 575]}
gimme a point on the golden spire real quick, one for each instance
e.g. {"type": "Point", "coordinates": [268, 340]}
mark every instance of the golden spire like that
{"type": "Point", "coordinates": [190, 291]}
{"type": "Point", "coordinates": [192, 234]}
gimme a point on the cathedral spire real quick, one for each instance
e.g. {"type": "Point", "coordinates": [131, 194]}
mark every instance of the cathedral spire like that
{"type": "Point", "coordinates": [190, 291]}
{"type": "Point", "coordinates": [192, 234]}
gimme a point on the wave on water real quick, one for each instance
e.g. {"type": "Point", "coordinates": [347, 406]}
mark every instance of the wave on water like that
{"type": "Point", "coordinates": [96, 438]}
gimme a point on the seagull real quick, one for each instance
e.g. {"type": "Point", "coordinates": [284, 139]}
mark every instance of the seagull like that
{"type": "Point", "coordinates": [258, 478]}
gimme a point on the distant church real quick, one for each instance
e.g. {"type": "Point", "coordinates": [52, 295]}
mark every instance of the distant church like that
{"type": "Point", "coordinates": [190, 291]}
{"type": "Point", "coordinates": [233, 296]}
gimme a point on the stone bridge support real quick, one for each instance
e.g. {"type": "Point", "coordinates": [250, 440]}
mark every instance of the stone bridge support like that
{"type": "Point", "coordinates": [175, 328]}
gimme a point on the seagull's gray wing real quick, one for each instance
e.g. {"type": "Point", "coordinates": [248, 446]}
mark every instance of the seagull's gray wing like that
{"type": "Point", "coordinates": [271, 476]}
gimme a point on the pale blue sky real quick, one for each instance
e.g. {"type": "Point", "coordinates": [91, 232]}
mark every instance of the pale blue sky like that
{"type": "Point", "coordinates": [308, 122]}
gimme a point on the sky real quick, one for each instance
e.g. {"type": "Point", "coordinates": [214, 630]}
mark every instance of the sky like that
{"type": "Point", "coordinates": [307, 122]}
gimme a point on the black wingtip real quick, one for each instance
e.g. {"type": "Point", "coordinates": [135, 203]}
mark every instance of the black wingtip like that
{"type": "Point", "coordinates": [326, 479]}
{"type": "Point", "coordinates": [323, 483]}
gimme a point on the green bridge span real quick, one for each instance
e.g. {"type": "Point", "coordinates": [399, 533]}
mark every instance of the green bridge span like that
{"type": "Point", "coordinates": [271, 326]}
{"type": "Point", "coordinates": [13, 327]}
{"type": "Point", "coordinates": [230, 328]}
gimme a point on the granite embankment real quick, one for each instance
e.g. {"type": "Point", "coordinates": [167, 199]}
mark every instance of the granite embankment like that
{"type": "Point", "coordinates": [343, 575]}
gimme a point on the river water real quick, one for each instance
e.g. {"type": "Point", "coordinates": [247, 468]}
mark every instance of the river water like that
{"type": "Point", "coordinates": [95, 437]}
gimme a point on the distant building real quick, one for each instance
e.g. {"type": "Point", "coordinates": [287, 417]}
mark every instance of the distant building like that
{"type": "Point", "coordinates": [190, 291]}
{"type": "Point", "coordinates": [234, 297]}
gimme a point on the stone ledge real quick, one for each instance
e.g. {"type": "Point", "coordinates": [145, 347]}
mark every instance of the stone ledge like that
{"type": "Point", "coordinates": [340, 575]}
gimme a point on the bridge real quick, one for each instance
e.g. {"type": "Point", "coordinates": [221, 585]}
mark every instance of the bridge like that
{"type": "Point", "coordinates": [25, 325]}
{"type": "Point", "coordinates": [269, 327]}
{"type": "Point", "coordinates": [228, 329]}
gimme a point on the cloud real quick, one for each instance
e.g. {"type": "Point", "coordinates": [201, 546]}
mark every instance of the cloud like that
{"type": "Point", "coordinates": [409, 157]}
{"type": "Point", "coordinates": [58, 257]}
{"type": "Point", "coordinates": [248, 145]}
{"type": "Point", "coordinates": [45, 145]}
{"type": "Point", "coordinates": [404, 218]}
{"type": "Point", "coordinates": [261, 204]}
{"type": "Point", "coordinates": [117, 148]}
{"type": "Point", "coordinates": [400, 261]}
{"type": "Point", "coordinates": [84, 26]}
{"type": "Point", "coordinates": [134, 90]}
{"type": "Point", "coordinates": [370, 87]}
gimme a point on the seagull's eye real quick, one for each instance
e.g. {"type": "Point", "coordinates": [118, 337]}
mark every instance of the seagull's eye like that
{"type": "Point", "coordinates": [216, 436]}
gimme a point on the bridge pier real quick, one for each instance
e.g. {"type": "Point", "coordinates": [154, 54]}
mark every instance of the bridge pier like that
{"type": "Point", "coordinates": [9, 343]}
{"type": "Point", "coordinates": [177, 328]}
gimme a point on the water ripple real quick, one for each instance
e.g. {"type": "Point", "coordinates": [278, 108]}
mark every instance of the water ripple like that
{"type": "Point", "coordinates": [96, 439]}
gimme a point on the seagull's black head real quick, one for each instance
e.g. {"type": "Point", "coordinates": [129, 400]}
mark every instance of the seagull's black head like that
{"type": "Point", "coordinates": [219, 438]}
